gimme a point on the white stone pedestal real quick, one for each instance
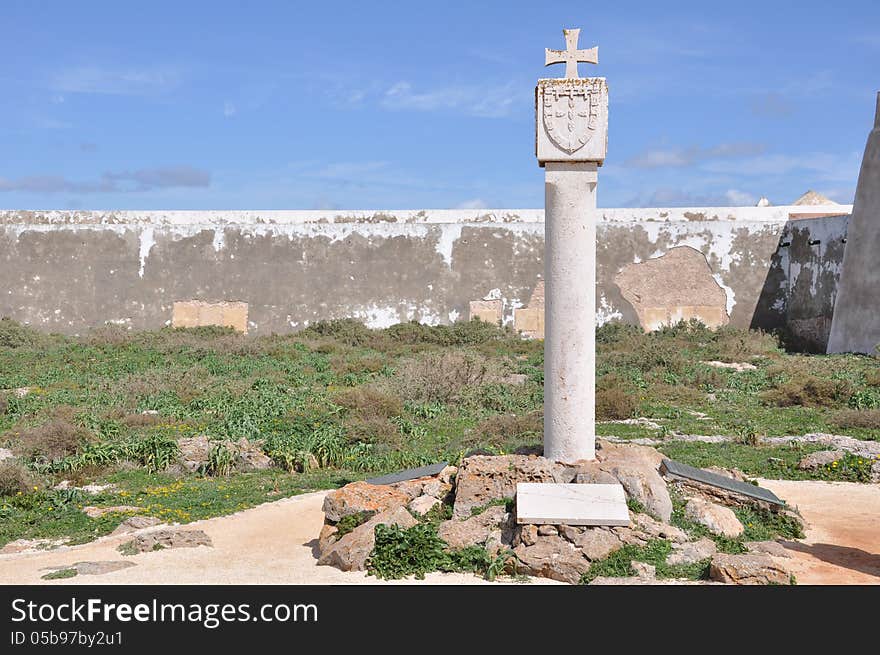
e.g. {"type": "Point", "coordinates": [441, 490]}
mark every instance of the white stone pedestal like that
{"type": "Point", "coordinates": [571, 128]}
{"type": "Point", "coordinates": [570, 311]}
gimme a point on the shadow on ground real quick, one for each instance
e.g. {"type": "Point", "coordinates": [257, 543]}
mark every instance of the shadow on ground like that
{"type": "Point", "coordinates": [854, 559]}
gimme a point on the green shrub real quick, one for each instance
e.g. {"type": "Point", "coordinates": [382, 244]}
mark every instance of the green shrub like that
{"type": "Point", "coordinates": [15, 335]}
{"type": "Point", "coordinates": [613, 401]}
{"type": "Point", "coordinates": [808, 391]}
{"type": "Point", "coordinates": [419, 550]}
{"type": "Point", "coordinates": [345, 330]}
{"type": "Point", "coordinates": [865, 399]}
{"type": "Point", "coordinates": [324, 445]}
{"type": "Point", "coordinates": [463, 333]}
{"type": "Point", "coordinates": [374, 430]}
{"type": "Point", "coordinates": [60, 574]}
{"type": "Point", "coordinates": [157, 452]}
{"type": "Point", "coordinates": [618, 332]}
{"type": "Point", "coordinates": [369, 402]}
{"type": "Point", "coordinates": [849, 468]}
{"type": "Point", "coordinates": [14, 478]}
{"type": "Point", "coordinates": [502, 429]}
{"type": "Point", "coordinates": [348, 523]}
{"type": "Point", "coordinates": [856, 418]}
{"type": "Point", "coordinates": [53, 440]}
{"type": "Point", "coordinates": [444, 376]}
{"type": "Point", "coordinates": [221, 460]}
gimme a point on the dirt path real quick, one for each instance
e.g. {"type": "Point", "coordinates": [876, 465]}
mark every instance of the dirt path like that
{"type": "Point", "coordinates": [269, 544]}
{"type": "Point", "coordinates": [272, 544]}
{"type": "Point", "coordinates": [842, 544]}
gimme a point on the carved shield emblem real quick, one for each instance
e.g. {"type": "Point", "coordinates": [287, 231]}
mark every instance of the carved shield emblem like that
{"type": "Point", "coordinates": [570, 115]}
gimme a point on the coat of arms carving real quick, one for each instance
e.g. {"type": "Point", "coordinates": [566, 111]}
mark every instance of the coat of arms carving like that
{"type": "Point", "coordinates": [570, 114]}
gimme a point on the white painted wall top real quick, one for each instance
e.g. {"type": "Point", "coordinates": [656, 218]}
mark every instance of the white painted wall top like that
{"type": "Point", "coordinates": [157, 218]}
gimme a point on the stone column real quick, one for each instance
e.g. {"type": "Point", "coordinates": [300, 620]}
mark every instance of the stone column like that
{"type": "Point", "coordinates": [570, 311]}
{"type": "Point", "coordinates": [571, 140]}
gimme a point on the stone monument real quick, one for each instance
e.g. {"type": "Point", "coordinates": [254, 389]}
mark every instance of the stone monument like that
{"type": "Point", "coordinates": [571, 123]}
{"type": "Point", "coordinates": [855, 326]}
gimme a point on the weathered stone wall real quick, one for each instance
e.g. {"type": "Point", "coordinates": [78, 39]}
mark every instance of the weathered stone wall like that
{"type": "Point", "coordinates": [68, 271]}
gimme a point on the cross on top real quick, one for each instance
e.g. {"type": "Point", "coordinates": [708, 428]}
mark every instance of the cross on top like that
{"type": "Point", "coordinates": [571, 55]}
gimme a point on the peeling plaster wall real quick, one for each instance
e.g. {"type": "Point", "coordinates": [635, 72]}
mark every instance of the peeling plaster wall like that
{"type": "Point", "coordinates": [66, 271]}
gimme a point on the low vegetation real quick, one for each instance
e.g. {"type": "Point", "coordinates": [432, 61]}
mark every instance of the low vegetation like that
{"type": "Point", "coordinates": [339, 402]}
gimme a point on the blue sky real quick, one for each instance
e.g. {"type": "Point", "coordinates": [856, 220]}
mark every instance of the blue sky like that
{"type": "Point", "coordinates": [336, 104]}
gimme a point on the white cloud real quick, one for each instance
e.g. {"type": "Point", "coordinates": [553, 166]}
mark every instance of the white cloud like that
{"type": "Point", "coordinates": [104, 81]}
{"type": "Point", "coordinates": [679, 157]}
{"type": "Point", "coordinates": [146, 179]}
{"type": "Point", "coordinates": [817, 165]}
{"type": "Point", "coordinates": [737, 198]}
{"type": "Point", "coordinates": [344, 170]}
{"type": "Point", "coordinates": [473, 100]}
{"type": "Point", "coordinates": [474, 203]}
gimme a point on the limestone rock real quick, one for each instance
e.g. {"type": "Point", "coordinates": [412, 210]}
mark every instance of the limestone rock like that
{"type": "Point", "coordinates": [447, 475]}
{"type": "Point", "coordinates": [547, 530]}
{"type": "Point", "coordinates": [423, 504]}
{"type": "Point", "coordinates": [590, 472]}
{"type": "Point", "coordinates": [194, 452]}
{"type": "Point", "coordinates": [597, 543]}
{"type": "Point", "coordinates": [97, 512]}
{"type": "Point", "coordinates": [570, 532]}
{"type": "Point", "coordinates": [474, 530]}
{"type": "Point", "coordinates": [98, 568]}
{"type": "Point", "coordinates": [552, 557]}
{"type": "Point", "coordinates": [327, 537]}
{"type": "Point", "coordinates": [5, 453]}
{"type": "Point", "coordinates": [362, 497]}
{"type": "Point", "coordinates": [411, 488]}
{"type": "Point", "coordinates": [168, 538]}
{"type": "Point", "coordinates": [135, 523]}
{"type": "Point", "coordinates": [482, 478]}
{"type": "Point", "coordinates": [654, 529]}
{"type": "Point", "coordinates": [526, 534]}
{"type": "Point", "coordinates": [436, 488]}
{"type": "Point", "coordinates": [351, 551]}
{"type": "Point", "coordinates": [692, 552]}
{"type": "Point", "coordinates": [644, 570]}
{"type": "Point", "coordinates": [637, 469]}
{"type": "Point", "coordinates": [772, 548]}
{"type": "Point", "coordinates": [749, 568]}
{"type": "Point", "coordinates": [820, 459]}
{"type": "Point", "coordinates": [719, 519]}
{"type": "Point", "coordinates": [250, 457]}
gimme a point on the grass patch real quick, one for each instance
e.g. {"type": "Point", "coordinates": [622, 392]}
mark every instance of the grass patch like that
{"type": "Point", "coordinates": [60, 574]}
{"type": "Point", "coordinates": [619, 563]}
{"type": "Point", "coordinates": [418, 550]}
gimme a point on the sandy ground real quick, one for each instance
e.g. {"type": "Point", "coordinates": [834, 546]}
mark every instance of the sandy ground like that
{"type": "Point", "coordinates": [842, 544]}
{"type": "Point", "coordinates": [269, 544]}
{"type": "Point", "coordinates": [273, 544]}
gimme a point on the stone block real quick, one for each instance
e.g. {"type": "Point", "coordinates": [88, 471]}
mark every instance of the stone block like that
{"type": "Point", "coordinates": [571, 504]}
{"type": "Point", "coordinates": [488, 311]}
{"type": "Point", "coordinates": [529, 321]}
{"type": "Point", "coordinates": [197, 313]}
{"type": "Point", "coordinates": [571, 120]}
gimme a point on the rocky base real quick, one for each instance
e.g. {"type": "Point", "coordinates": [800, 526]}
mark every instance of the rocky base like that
{"type": "Point", "coordinates": [479, 496]}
